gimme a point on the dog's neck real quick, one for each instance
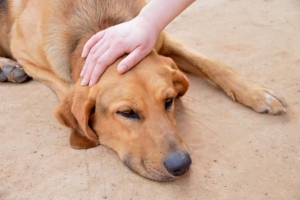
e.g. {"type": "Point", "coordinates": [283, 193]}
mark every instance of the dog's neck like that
{"type": "Point", "coordinates": [76, 61]}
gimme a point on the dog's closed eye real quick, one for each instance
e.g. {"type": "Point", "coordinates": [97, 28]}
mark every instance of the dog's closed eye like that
{"type": "Point", "coordinates": [169, 103]}
{"type": "Point", "coordinates": [129, 114]}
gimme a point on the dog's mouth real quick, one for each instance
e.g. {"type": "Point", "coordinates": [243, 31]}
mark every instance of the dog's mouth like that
{"type": "Point", "coordinates": [147, 170]}
{"type": "Point", "coordinates": [152, 170]}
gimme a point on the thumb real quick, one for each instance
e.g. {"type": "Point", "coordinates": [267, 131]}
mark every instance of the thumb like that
{"type": "Point", "coordinates": [131, 61]}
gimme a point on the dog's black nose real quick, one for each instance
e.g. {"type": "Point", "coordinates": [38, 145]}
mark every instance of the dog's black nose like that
{"type": "Point", "coordinates": [178, 163]}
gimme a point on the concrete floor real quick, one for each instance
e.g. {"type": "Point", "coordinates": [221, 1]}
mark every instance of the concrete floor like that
{"type": "Point", "coordinates": [237, 153]}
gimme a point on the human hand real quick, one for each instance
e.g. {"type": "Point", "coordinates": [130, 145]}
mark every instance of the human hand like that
{"type": "Point", "coordinates": [135, 38]}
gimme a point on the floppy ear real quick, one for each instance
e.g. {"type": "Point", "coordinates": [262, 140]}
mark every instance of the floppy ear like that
{"type": "Point", "coordinates": [180, 81]}
{"type": "Point", "coordinates": [75, 111]}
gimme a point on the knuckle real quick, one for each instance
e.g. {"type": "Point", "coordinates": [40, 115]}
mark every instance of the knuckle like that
{"type": "Point", "coordinates": [94, 38]}
{"type": "Point", "coordinates": [101, 62]}
{"type": "Point", "coordinates": [129, 63]}
{"type": "Point", "coordinates": [93, 51]}
{"type": "Point", "coordinates": [93, 58]}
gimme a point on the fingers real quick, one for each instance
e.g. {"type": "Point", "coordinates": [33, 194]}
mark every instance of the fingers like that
{"type": "Point", "coordinates": [94, 54]}
{"type": "Point", "coordinates": [91, 42]}
{"type": "Point", "coordinates": [131, 60]}
{"type": "Point", "coordinates": [91, 62]}
{"type": "Point", "coordinates": [99, 65]}
{"type": "Point", "coordinates": [95, 43]}
{"type": "Point", "coordinates": [107, 46]}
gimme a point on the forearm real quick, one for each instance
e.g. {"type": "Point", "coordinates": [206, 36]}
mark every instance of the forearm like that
{"type": "Point", "coordinates": [159, 13]}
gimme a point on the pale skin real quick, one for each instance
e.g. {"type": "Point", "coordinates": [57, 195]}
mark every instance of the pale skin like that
{"type": "Point", "coordinates": [136, 38]}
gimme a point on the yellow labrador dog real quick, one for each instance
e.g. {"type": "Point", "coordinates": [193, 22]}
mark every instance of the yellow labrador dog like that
{"type": "Point", "coordinates": [132, 113]}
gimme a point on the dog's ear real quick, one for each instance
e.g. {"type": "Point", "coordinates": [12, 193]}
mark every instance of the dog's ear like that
{"type": "Point", "coordinates": [75, 111]}
{"type": "Point", "coordinates": [180, 81]}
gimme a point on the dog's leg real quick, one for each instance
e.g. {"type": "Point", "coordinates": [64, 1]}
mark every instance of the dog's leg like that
{"type": "Point", "coordinates": [11, 71]}
{"type": "Point", "coordinates": [237, 87]}
{"type": "Point", "coordinates": [47, 77]}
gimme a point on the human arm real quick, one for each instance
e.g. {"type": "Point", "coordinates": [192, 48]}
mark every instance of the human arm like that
{"type": "Point", "coordinates": [136, 38]}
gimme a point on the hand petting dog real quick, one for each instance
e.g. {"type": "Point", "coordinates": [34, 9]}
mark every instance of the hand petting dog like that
{"type": "Point", "coordinates": [135, 38]}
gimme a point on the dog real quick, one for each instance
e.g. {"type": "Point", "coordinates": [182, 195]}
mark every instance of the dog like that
{"type": "Point", "coordinates": [133, 114]}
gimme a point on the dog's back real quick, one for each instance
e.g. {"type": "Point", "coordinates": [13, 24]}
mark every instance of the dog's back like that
{"type": "Point", "coordinates": [62, 26]}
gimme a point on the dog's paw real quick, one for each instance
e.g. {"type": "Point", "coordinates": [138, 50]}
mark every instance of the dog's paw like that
{"type": "Point", "coordinates": [12, 73]}
{"type": "Point", "coordinates": [261, 99]}
{"type": "Point", "coordinates": [267, 101]}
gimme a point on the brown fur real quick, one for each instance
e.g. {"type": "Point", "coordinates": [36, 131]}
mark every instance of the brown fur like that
{"type": "Point", "coordinates": [47, 37]}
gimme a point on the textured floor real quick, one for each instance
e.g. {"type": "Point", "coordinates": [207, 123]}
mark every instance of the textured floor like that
{"type": "Point", "coordinates": [237, 153]}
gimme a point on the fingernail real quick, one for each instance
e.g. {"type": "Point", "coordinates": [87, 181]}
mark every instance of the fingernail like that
{"type": "Point", "coordinates": [122, 69]}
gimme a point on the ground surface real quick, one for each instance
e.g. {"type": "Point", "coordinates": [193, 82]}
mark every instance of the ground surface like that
{"type": "Point", "coordinates": [237, 153]}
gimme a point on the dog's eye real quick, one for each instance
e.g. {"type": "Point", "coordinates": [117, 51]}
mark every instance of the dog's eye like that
{"type": "Point", "coordinates": [168, 103]}
{"type": "Point", "coordinates": [129, 114]}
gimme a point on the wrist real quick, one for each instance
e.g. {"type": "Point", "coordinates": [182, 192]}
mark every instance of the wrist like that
{"type": "Point", "coordinates": [159, 13]}
{"type": "Point", "coordinates": [147, 26]}
{"type": "Point", "coordinates": [150, 21]}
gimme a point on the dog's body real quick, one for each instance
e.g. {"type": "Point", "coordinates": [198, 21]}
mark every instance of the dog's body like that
{"type": "Point", "coordinates": [130, 113]}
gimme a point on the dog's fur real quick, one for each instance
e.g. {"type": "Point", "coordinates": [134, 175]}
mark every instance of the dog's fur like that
{"type": "Point", "coordinates": [131, 113]}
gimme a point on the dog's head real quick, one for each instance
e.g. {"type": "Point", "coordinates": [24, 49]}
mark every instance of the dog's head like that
{"type": "Point", "coordinates": [133, 114]}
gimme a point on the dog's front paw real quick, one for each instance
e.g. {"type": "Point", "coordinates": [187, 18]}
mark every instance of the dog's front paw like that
{"type": "Point", "coordinates": [261, 99]}
{"type": "Point", "coordinates": [267, 101]}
